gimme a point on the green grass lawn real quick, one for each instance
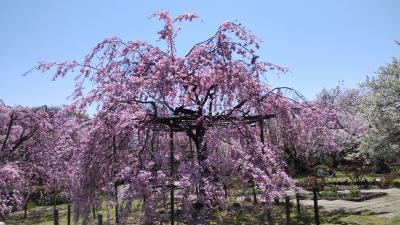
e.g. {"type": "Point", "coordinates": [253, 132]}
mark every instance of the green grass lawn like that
{"type": "Point", "coordinates": [363, 218]}
{"type": "Point", "coordinates": [37, 215]}
{"type": "Point", "coordinates": [247, 213]}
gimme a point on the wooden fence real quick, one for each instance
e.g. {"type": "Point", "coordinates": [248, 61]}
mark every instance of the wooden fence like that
{"type": "Point", "coordinates": [269, 217]}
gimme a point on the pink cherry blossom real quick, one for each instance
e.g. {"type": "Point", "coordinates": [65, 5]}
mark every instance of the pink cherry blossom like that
{"type": "Point", "coordinates": [228, 125]}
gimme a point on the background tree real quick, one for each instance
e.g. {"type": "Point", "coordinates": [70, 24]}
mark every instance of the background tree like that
{"type": "Point", "coordinates": [350, 120]}
{"type": "Point", "coordinates": [22, 135]}
{"type": "Point", "coordinates": [381, 109]}
{"type": "Point", "coordinates": [31, 151]}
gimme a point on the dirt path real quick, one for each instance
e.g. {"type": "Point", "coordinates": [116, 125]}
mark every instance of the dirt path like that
{"type": "Point", "coordinates": [388, 205]}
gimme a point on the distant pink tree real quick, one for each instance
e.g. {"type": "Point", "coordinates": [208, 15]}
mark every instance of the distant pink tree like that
{"type": "Point", "coordinates": [350, 124]}
{"type": "Point", "coordinates": [63, 148]}
{"type": "Point", "coordinates": [190, 122]}
{"type": "Point", "coordinates": [29, 137]}
{"type": "Point", "coordinates": [22, 131]}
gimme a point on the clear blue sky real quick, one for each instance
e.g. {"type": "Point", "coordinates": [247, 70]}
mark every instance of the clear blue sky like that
{"type": "Point", "coordinates": [321, 42]}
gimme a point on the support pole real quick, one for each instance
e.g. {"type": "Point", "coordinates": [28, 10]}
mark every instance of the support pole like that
{"type": "Point", "coordinates": [171, 159]}
{"type": "Point", "coordinates": [69, 215]}
{"type": "Point", "coordinates": [100, 219]}
{"type": "Point", "coordinates": [114, 146]}
{"type": "Point", "coordinates": [261, 122]}
{"type": "Point", "coordinates": [269, 213]}
{"type": "Point", "coordinates": [287, 206]}
{"type": "Point", "coordinates": [225, 190]}
{"type": "Point", "coordinates": [298, 204]}
{"type": "Point", "coordinates": [55, 217]}
{"type": "Point", "coordinates": [94, 212]}
{"type": "Point", "coordinates": [253, 186]}
{"type": "Point", "coordinates": [26, 210]}
{"type": "Point", "coordinates": [116, 204]}
{"type": "Point", "coordinates": [316, 210]}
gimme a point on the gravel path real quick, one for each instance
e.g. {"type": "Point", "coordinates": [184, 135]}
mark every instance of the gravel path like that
{"type": "Point", "coordinates": [388, 205]}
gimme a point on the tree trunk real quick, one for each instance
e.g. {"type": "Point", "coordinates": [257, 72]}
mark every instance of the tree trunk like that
{"type": "Point", "coordinates": [254, 192]}
{"type": "Point", "coordinates": [226, 191]}
{"type": "Point", "coordinates": [26, 209]}
{"type": "Point", "coordinates": [201, 149]}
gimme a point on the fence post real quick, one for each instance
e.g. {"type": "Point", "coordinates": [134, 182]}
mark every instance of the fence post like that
{"type": "Point", "coordinates": [100, 219]}
{"type": "Point", "coordinates": [225, 190]}
{"type": "Point", "coordinates": [316, 206]}
{"type": "Point", "coordinates": [298, 204]}
{"type": "Point", "coordinates": [287, 206]}
{"type": "Point", "coordinates": [94, 212]}
{"type": "Point", "coordinates": [55, 217]}
{"type": "Point", "coordinates": [69, 215]}
{"type": "Point", "coordinates": [116, 204]}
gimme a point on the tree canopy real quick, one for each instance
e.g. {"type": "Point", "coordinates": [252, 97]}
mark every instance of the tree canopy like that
{"type": "Point", "coordinates": [380, 106]}
{"type": "Point", "coordinates": [190, 125]}
{"type": "Point", "coordinates": [166, 121]}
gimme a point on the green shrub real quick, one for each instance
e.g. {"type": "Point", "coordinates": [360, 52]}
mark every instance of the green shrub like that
{"type": "Point", "coordinates": [329, 194]}
{"type": "Point", "coordinates": [356, 170]}
{"type": "Point", "coordinates": [31, 205]}
{"type": "Point", "coordinates": [396, 182]}
{"type": "Point", "coordinates": [354, 192]}
{"type": "Point", "coordinates": [37, 195]}
{"type": "Point", "coordinates": [311, 182]}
